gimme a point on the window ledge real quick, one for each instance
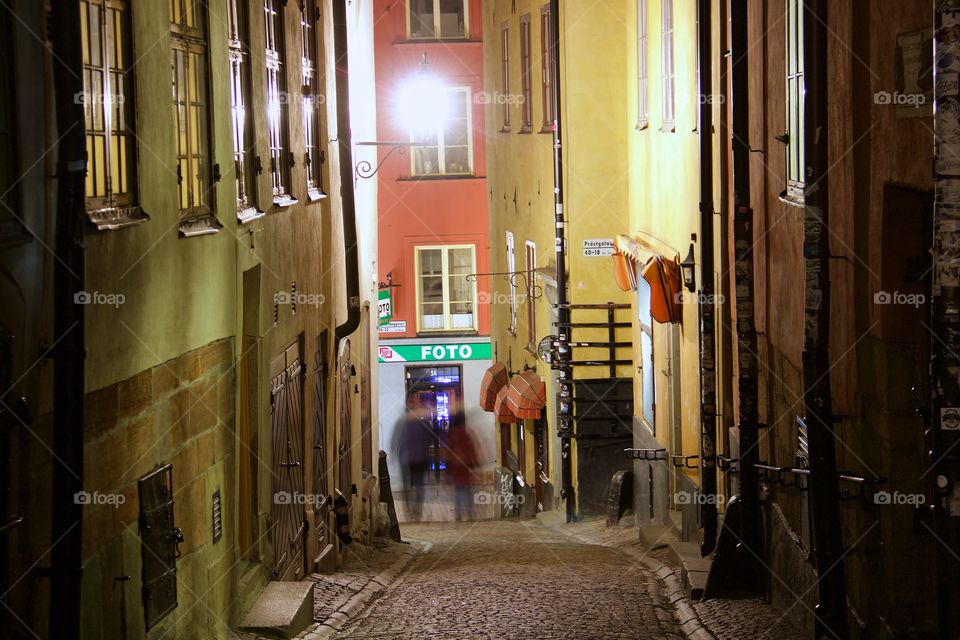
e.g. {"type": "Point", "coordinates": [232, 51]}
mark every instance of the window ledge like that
{"type": "Point", "coordinates": [444, 41]}
{"type": "Point", "coordinates": [284, 202]}
{"type": "Point", "coordinates": [248, 214]}
{"type": "Point", "coordinates": [315, 195]}
{"type": "Point", "coordinates": [525, 130]}
{"type": "Point", "coordinates": [504, 129]}
{"type": "Point", "coordinates": [109, 218]}
{"type": "Point", "coordinates": [447, 333]}
{"type": "Point", "coordinates": [793, 196]}
{"type": "Point", "coordinates": [204, 224]}
{"type": "Point", "coordinates": [643, 125]}
{"type": "Point", "coordinates": [668, 127]}
{"type": "Point", "coordinates": [441, 178]}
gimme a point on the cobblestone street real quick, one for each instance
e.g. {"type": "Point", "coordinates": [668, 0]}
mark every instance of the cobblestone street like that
{"type": "Point", "coordinates": [509, 579]}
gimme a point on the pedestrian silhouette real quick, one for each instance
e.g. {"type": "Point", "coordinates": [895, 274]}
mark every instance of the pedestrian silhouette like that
{"type": "Point", "coordinates": [412, 453]}
{"type": "Point", "coordinates": [461, 465]}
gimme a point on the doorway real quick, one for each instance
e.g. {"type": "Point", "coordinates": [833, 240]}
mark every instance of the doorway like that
{"type": "Point", "coordinates": [437, 392]}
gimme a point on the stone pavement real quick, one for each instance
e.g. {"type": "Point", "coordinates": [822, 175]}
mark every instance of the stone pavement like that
{"type": "Point", "coordinates": [516, 579]}
{"type": "Point", "coordinates": [723, 619]}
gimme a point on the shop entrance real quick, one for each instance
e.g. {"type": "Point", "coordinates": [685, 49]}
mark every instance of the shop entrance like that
{"type": "Point", "coordinates": [438, 393]}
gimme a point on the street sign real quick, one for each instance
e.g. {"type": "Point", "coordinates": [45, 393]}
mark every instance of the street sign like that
{"type": "Point", "coordinates": [397, 326]}
{"type": "Point", "coordinates": [384, 306]}
{"type": "Point", "coordinates": [599, 247]}
{"type": "Point", "coordinates": [436, 352]}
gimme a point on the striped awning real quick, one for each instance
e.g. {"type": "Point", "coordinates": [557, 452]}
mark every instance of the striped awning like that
{"type": "Point", "coordinates": [501, 409]}
{"type": "Point", "coordinates": [494, 379]}
{"type": "Point", "coordinates": [526, 395]}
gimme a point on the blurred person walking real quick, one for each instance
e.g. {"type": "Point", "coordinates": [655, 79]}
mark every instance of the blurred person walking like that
{"type": "Point", "coordinates": [461, 465]}
{"type": "Point", "coordinates": [412, 452]}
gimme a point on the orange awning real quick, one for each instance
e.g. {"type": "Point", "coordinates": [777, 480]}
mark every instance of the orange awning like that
{"type": "Point", "coordinates": [501, 409]}
{"type": "Point", "coordinates": [494, 379]}
{"type": "Point", "coordinates": [665, 280]}
{"type": "Point", "coordinates": [526, 395]}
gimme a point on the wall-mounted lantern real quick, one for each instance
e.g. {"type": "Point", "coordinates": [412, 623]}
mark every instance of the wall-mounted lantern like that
{"type": "Point", "coordinates": [689, 268]}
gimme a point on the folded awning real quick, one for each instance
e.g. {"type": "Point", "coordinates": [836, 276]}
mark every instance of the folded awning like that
{"type": "Point", "coordinates": [665, 281]}
{"type": "Point", "coordinates": [494, 379]}
{"type": "Point", "coordinates": [526, 395]}
{"type": "Point", "coordinates": [501, 409]}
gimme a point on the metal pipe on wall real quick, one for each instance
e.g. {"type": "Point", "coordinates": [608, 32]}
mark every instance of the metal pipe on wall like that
{"type": "Point", "coordinates": [564, 424]}
{"type": "Point", "coordinates": [706, 306]}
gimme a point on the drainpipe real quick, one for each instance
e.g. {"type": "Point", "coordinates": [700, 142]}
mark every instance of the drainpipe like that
{"type": "Point", "coordinates": [564, 423]}
{"type": "Point", "coordinates": [347, 184]}
{"type": "Point", "coordinates": [748, 488]}
{"type": "Point", "coordinates": [945, 385]}
{"type": "Point", "coordinates": [708, 359]}
{"type": "Point", "coordinates": [68, 376]}
{"type": "Point", "coordinates": [831, 611]}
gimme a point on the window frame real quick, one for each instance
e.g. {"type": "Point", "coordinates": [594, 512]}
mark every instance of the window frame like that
{"type": "Point", "coordinates": [436, 23]}
{"type": "Point", "coordinates": [244, 133]}
{"type": "Point", "coordinates": [526, 76]}
{"type": "Point", "coordinates": [111, 209]}
{"type": "Point", "coordinates": [794, 103]}
{"type": "Point", "coordinates": [667, 68]}
{"type": "Point", "coordinates": [445, 288]}
{"type": "Point", "coordinates": [275, 64]}
{"type": "Point", "coordinates": [530, 266]}
{"type": "Point", "coordinates": [314, 155]}
{"type": "Point", "coordinates": [191, 41]}
{"type": "Point", "coordinates": [643, 71]}
{"type": "Point", "coordinates": [505, 75]}
{"type": "Point", "coordinates": [442, 148]}
{"type": "Point", "coordinates": [546, 70]}
{"type": "Point", "coordinates": [511, 271]}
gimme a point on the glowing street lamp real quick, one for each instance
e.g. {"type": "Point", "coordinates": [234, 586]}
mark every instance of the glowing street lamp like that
{"type": "Point", "coordinates": [422, 103]}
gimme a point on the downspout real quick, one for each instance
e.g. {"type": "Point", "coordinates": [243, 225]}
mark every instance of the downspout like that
{"type": "Point", "coordinates": [945, 307]}
{"type": "Point", "coordinates": [347, 195]}
{"type": "Point", "coordinates": [743, 239]}
{"type": "Point", "coordinates": [708, 358]}
{"type": "Point", "coordinates": [68, 375]}
{"type": "Point", "coordinates": [831, 611]}
{"type": "Point", "coordinates": [564, 423]}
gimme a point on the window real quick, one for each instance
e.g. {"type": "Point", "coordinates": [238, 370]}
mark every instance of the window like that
{"type": "Point", "coordinates": [505, 74]}
{"type": "Point", "coordinates": [531, 275]}
{"type": "Point", "coordinates": [511, 269]}
{"type": "Point", "coordinates": [195, 171]}
{"type": "Point", "coordinates": [312, 100]}
{"type": "Point", "coordinates": [448, 150]}
{"type": "Point", "coordinates": [434, 19]}
{"type": "Point", "coordinates": [278, 103]}
{"type": "Point", "coordinates": [446, 299]}
{"type": "Point", "coordinates": [546, 66]}
{"type": "Point", "coordinates": [525, 75]}
{"type": "Point", "coordinates": [238, 52]}
{"type": "Point", "coordinates": [647, 372]}
{"type": "Point", "coordinates": [796, 159]}
{"type": "Point", "coordinates": [666, 64]}
{"type": "Point", "coordinates": [643, 101]}
{"type": "Point", "coordinates": [111, 182]}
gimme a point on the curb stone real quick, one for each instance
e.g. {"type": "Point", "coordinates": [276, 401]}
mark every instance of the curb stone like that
{"type": "Point", "coordinates": [352, 608]}
{"type": "Point", "coordinates": [686, 617]}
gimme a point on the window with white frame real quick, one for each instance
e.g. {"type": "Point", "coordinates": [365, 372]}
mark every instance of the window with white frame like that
{"type": "Point", "coordinates": [643, 89]}
{"type": "Point", "coordinates": [546, 68]}
{"type": "Point", "coordinates": [448, 149]}
{"type": "Point", "coordinates": [446, 298]}
{"type": "Point", "coordinates": [278, 103]}
{"type": "Point", "coordinates": [188, 40]}
{"type": "Point", "coordinates": [796, 158]}
{"type": "Point", "coordinates": [526, 75]}
{"type": "Point", "coordinates": [437, 19]}
{"type": "Point", "coordinates": [312, 99]}
{"type": "Point", "coordinates": [511, 269]}
{"type": "Point", "coordinates": [238, 52]}
{"type": "Point", "coordinates": [108, 104]}
{"type": "Point", "coordinates": [666, 64]}
{"type": "Point", "coordinates": [531, 281]}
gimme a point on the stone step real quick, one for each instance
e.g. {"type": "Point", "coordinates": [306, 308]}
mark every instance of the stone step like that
{"type": "Point", "coordinates": [694, 568]}
{"type": "Point", "coordinates": [282, 610]}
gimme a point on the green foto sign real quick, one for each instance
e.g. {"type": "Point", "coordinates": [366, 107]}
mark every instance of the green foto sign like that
{"type": "Point", "coordinates": [384, 306]}
{"type": "Point", "coordinates": [436, 352]}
